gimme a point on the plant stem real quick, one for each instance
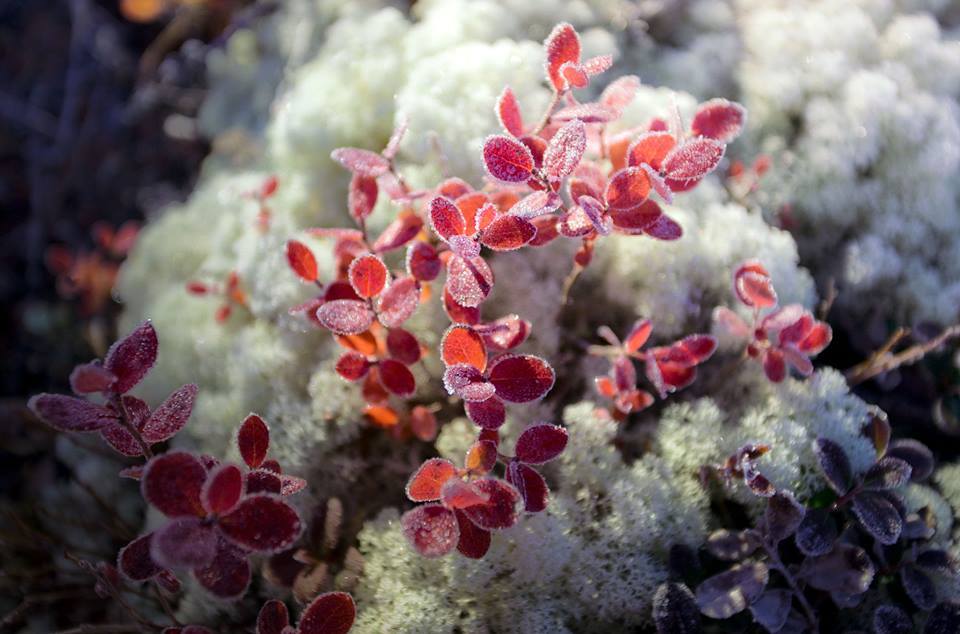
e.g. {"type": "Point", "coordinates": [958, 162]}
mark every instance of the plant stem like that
{"type": "Point", "coordinates": [128, 425]}
{"type": "Point", "coordinates": [777, 564]}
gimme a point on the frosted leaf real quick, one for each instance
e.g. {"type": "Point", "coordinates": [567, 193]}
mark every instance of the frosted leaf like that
{"type": "Point", "coordinates": [943, 619]}
{"type": "Point", "coordinates": [916, 454]}
{"type": "Point", "coordinates": [262, 523]}
{"type": "Point", "coordinates": [774, 365]}
{"type": "Point", "coordinates": [531, 485]}
{"type": "Point", "coordinates": [627, 188]}
{"type": "Point", "coordinates": [403, 346]}
{"type": "Point", "coordinates": [536, 204]}
{"type": "Point", "coordinates": [423, 423]}
{"type": "Point", "coordinates": [464, 247]}
{"type": "Point", "coordinates": [658, 183]}
{"type": "Point", "coordinates": [505, 333]}
{"type": "Point", "coordinates": [130, 358]}
{"type": "Point", "coordinates": [457, 494]}
{"type": "Point", "coordinates": [469, 281]}
{"type": "Point", "coordinates": [171, 416]}
{"type": "Point", "coordinates": [650, 148]}
{"type": "Point", "coordinates": [846, 569]}
{"type": "Point", "coordinates": [502, 508]}
{"type": "Point", "coordinates": [585, 112]}
{"type": "Point", "coordinates": [394, 143]}
{"type": "Point", "coordinates": [134, 561]}
{"type": "Point", "coordinates": [185, 542]}
{"type": "Point", "coordinates": [887, 473]}
{"type": "Point", "coordinates": [575, 223]}
{"type": "Point", "coordinates": [223, 489]}
{"type": "Point", "coordinates": [664, 228]}
{"type": "Point", "coordinates": [423, 262]}
{"type": "Point", "coordinates": [302, 261]}
{"type": "Point", "coordinates": [474, 541]}
{"type": "Point", "coordinates": [574, 75]}
{"type": "Point", "coordinates": [67, 413]}
{"type": "Point", "coordinates": [508, 112]}
{"type": "Point", "coordinates": [675, 610]}
{"type": "Point", "coordinates": [363, 162]}
{"type": "Point", "coordinates": [565, 150]}
{"type": "Point", "coordinates": [446, 218]}
{"type": "Point", "coordinates": [783, 515]}
{"type": "Point", "coordinates": [487, 414]}
{"type": "Point", "coordinates": [457, 313]}
{"type": "Point", "coordinates": [481, 457]}
{"type": "Point", "coordinates": [732, 545]}
{"type": "Point", "coordinates": [507, 159]}
{"type": "Point", "coordinates": [889, 619]}
{"type": "Point", "coordinates": [263, 481]}
{"type": "Point", "coordinates": [693, 159]}
{"type": "Point", "coordinates": [594, 212]}
{"type": "Point", "coordinates": [228, 575]}
{"type": "Point", "coordinates": [88, 378]}
{"type": "Point", "coordinates": [834, 464]}
{"type": "Point", "coordinates": [723, 595]}
{"type": "Point", "coordinates": [467, 382]}
{"type": "Point", "coordinates": [329, 613]}
{"type": "Point", "coordinates": [398, 303]}
{"type": "Point", "coordinates": [521, 378]}
{"type": "Point", "coordinates": [562, 46]}
{"type": "Point", "coordinates": [345, 316]}
{"type": "Point", "coordinates": [362, 196]}
{"type": "Point", "coordinates": [772, 609]}
{"type": "Point", "coordinates": [368, 275]}
{"type": "Point", "coordinates": [541, 443]}
{"type": "Point", "coordinates": [878, 517]}
{"type": "Point", "coordinates": [719, 119]}
{"type": "Point", "coordinates": [507, 233]}
{"type": "Point", "coordinates": [426, 483]}
{"type": "Point", "coordinates": [637, 219]}
{"type": "Point", "coordinates": [399, 232]}
{"type": "Point", "coordinates": [918, 586]}
{"type": "Point", "coordinates": [431, 529]}
{"type": "Point", "coordinates": [253, 440]}
{"type": "Point", "coordinates": [816, 533]}
{"type": "Point", "coordinates": [397, 378]}
{"type": "Point", "coordinates": [731, 323]}
{"type": "Point", "coordinates": [620, 93]}
{"type": "Point", "coordinates": [172, 483]}
{"type": "Point", "coordinates": [273, 617]}
{"type": "Point", "coordinates": [462, 344]}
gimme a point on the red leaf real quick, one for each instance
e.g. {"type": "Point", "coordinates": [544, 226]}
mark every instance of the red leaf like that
{"type": "Point", "coordinates": [273, 617]}
{"type": "Point", "coordinates": [508, 232]}
{"type": "Point", "coordinates": [664, 228]}
{"type": "Point", "coordinates": [638, 335]}
{"type": "Point", "coordinates": [719, 119]}
{"type": "Point", "coordinates": [423, 423]}
{"type": "Point", "coordinates": [425, 484]}
{"type": "Point", "coordinates": [89, 378]}
{"type": "Point", "coordinates": [464, 247]}
{"type": "Point", "coordinates": [423, 263]}
{"type": "Point", "coordinates": [541, 443]}
{"type": "Point", "coordinates": [453, 188]}
{"type": "Point", "coordinates": [184, 542]}
{"type": "Point", "coordinates": [693, 159]}
{"type": "Point", "coordinates": [470, 205]}
{"type": "Point", "coordinates": [67, 413]}
{"type": "Point", "coordinates": [508, 112]}
{"type": "Point", "coordinates": [755, 289]}
{"type": "Point", "coordinates": [507, 159]}
{"type": "Point", "coordinates": [658, 183]}
{"type": "Point", "coordinates": [650, 148]}
{"type": "Point", "coordinates": [223, 489]}
{"type": "Point", "coordinates": [398, 302]}
{"type": "Point", "coordinates": [562, 46]}
{"type": "Point", "coordinates": [403, 346]}
{"type": "Point", "coordinates": [575, 223]}
{"type": "Point", "coordinates": [521, 378]}
{"type": "Point", "coordinates": [595, 214]}
{"type": "Point", "coordinates": [459, 314]}
{"type": "Point", "coordinates": [624, 374]}
{"type": "Point", "coordinates": [397, 378]}
{"type": "Point", "coordinates": [620, 93]}
{"type": "Point", "coordinates": [399, 232]}
{"type": "Point", "coordinates": [329, 613]}
{"type": "Point", "coordinates": [565, 150]}
{"type": "Point", "coordinates": [605, 386]}
{"type": "Point", "coordinates": [818, 339]}
{"type": "Point", "coordinates": [536, 145]}
{"type": "Point", "coordinates": [531, 485]}
{"type": "Point", "coordinates": [228, 575]}
{"type": "Point", "coordinates": [627, 188]}
{"type": "Point", "coordinates": [469, 281]}
{"type": "Point", "coordinates": [457, 494]}
{"type": "Point", "coordinates": [374, 392]}
{"type": "Point", "coordinates": [487, 414]}
{"type": "Point", "coordinates": [698, 347]}
{"type": "Point", "coordinates": [467, 382]}
{"type": "Point", "coordinates": [171, 416]}
{"type": "Point", "coordinates": [121, 440]}
{"type": "Point", "coordinates": [291, 484]}
{"type": "Point", "coordinates": [586, 112]}
{"type": "Point", "coordinates": [637, 220]}
{"type": "Point", "coordinates": [462, 344]}
{"type": "Point", "coordinates": [301, 260]}
{"type": "Point", "coordinates": [481, 457]}
{"type": "Point", "coordinates": [262, 523]}
{"type": "Point", "coordinates": [501, 511]}
{"type": "Point", "coordinates": [345, 316]}
{"type": "Point", "coordinates": [474, 541]}
{"type": "Point", "coordinates": [575, 75]}
{"type": "Point", "coordinates": [362, 162]}
{"type": "Point", "coordinates": [172, 483]}
{"type": "Point", "coordinates": [431, 529]}
{"type": "Point", "coordinates": [368, 275]}
{"type": "Point", "coordinates": [263, 481]}
{"type": "Point", "coordinates": [362, 197]}
{"type": "Point", "coordinates": [253, 440]}
{"type": "Point", "coordinates": [505, 333]}
{"type": "Point", "coordinates": [446, 218]}
{"type": "Point", "coordinates": [132, 357]}
{"type": "Point", "coordinates": [134, 560]}
{"type": "Point", "coordinates": [774, 366]}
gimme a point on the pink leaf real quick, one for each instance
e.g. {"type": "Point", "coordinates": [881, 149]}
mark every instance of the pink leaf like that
{"type": "Point", "coordinates": [574, 75]}
{"type": "Point", "coordinates": [223, 489]}
{"type": "Point", "coordinates": [664, 228]}
{"type": "Point", "coordinates": [731, 322]}
{"type": "Point", "coordinates": [467, 382]}
{"type": "Point", "coordinates": [531, 485]}
{"type": "Point", "coordinates": [253, 440]}
{"type": "Point", "coordinates": [329, 613]}
{"type": "Point", "coordinates": [755, 289]}
{"type": "Point", "coordinates": [562, 46]}
{"type": "Point", "coordinates": [67, 413]}
{"type": "Point", "coordinates": [345, 316]}
{"type": "Point", "coordinates": [134, 560]}
{"type": "Point", "coordinates": [505, 333]}
{"type": "Point", "coordinates": [464, 247]}
{"type": "Point", "coordinates": [397, 378]}
{"type": "Point", "coordinates": [541, 443]}
{"type": "Point", "coordinates": [507, 159]}
{"type": "Point", "coordinates": [797, 359]}
{"type": "Point", "coordinates": [575, 223]}
{"type": "Point", "coordinates": [693, 159]}
{"type": "Point", "coordinates": [457, 313]}
{"type": "Point", "coordinates": [89, 378]}
{"type": "Point", "coordinates": [273, 618]}
{"type": "Point", "coordinates": [501, 509]}
{"type": "Point", "coordinates": [658, 183]}
{"type": "Point", "coordinates": [291, 484]}
{"type": "Point", "coordinates": [594, 211]}
{"type": "Point", "coordinates": [368, 275]}
{"type": "Point", "coordinates": [719, 119]}
{"type": "Point", "coordinates": [398, 303]}
{"type": "Point", "coordinates": [446, 218]}
{"type": "Point", "coordinates": [638, 335]}
{"type": "Point", "coordinates": [818, 339]}
{"type": "Point", "coordinates": [394, 143]}
{"type": "Point", "coordinates": [262, 523]}
{"type": "Point", "coordinates": [774, 366]}
{"type": "Point", "coordinates": [403, 346]}
{"type": "Point", "coordinates": [362, 197]}
{"type": "Point", "coordinates": [121, 440]}
{"type": "Point", "coordinates": [171, 416]}
{"type": "Point", "coordinates": [565, 150]}
{"type": "Point", "coordinates": [457, 494]}
{"type": "Point", "coordinates": [620, 93]}
{"type": "Point", "coordinates": [172, 483]}
{"type": "Point", "coordinates": [228, 575]}
{"type": "Point", "coordinates": [423, 262]}
{"type": "Point", "coordinates": [423, 423]}
{"type": "Point", "coordinates": [508, 112]}
{"type": "Point", "coordinates": [487, 414]}
{"type": "Point", "coordinates": [636, 220]}
{"type": "Point", "coordinates": [627, 188]}
{"type": "Point", "coordinates": [650, 148]}
{"type": "Point", "coordinates": [185, 542]}
{"type": "Point", "coordinates": [362, 162]}
{"type": "Point", "coordinates": [507, 233]}
{"type": "Point", "coordinates": [474, 541]}
{"type": "Point", "coordinates": [431, 529]}
{"type": "Point", "coordinates": [469, 281]}
{"type": "Point", "coordinates": [426, 483]}
{"type": "Point", "coordinates": [598, 64]}
{"type": "Point", "coordinates": [521, 378]}
{"type": "Point", "coordinates": [132, 357]}
{"type": "Point", "coordinates": [398, 233]}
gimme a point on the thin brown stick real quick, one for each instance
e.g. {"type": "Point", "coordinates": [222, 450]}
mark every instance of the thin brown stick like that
{"type": "Point", "coordinates": [883, 360]}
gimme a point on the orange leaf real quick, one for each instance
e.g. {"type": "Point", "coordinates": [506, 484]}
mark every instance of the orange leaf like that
{"type": "Point", "coordinates": [462, 344]}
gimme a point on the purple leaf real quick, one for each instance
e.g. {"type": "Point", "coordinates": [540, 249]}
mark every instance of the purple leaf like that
{"type": "Point", "coordinates": [889, 619]}
{"type": "Point", "coordinates": [772, 609]}
{"type": "Point", "coordinates": [887, 473]}
{"type": "Point", "coordinates": [228, 574]}
{"type": "Point", "coordinates": [132, 357]}
{"type": "Point", "coordinates": [916, 454]}
{"type": "Point", "coordinates": [89, 378]}
{"type": "Point", "coordinates": [783, 516]}
{"type": "Point", "coordinates": [675, 610]}
{"type": "Point", "coordinates": [186, 542]}
{"type": "Point", "coordinates": [919, 587]}
{"type": "Point", "coordinates": [846, 569]}
{"type": "Point", "coordinates": [816, 533]}
{"type": "Point", "coordinates": [944, 619]}
{"type": "Point", "coordinates": [834, 464]}
{"type": "Point", "coordinates": [68, 413]}
{"type": "Point", "coordinates": [171, 416]}
{"type": "Point", "coordinates": [723, 595]}
{"type": "Point", "coordinates": [732, 545]}
{"type": "Point", "coordinates": [878, 517]}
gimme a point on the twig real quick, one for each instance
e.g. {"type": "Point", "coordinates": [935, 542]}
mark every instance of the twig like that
{"type": "Point", "coordinates": [883, 361]}
{"type": "Point", "coordinates": [824, 309]}
{"type": "Point", "coordinates": [776, 564]}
